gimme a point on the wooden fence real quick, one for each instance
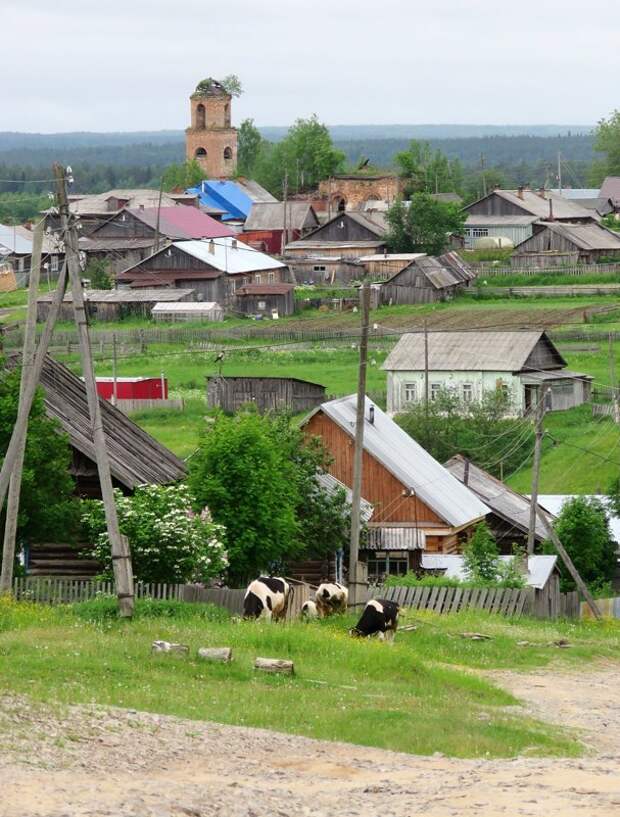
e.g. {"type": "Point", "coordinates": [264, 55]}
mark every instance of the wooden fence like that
{"type": "Point", "coordinates": [505, 601]}
{"type": "Point", "coordinates": [550, 290]}
{"type": "Point", "coordinates": [489, 270]}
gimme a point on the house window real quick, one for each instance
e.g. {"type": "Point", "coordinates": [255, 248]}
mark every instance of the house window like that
{"type": "Point", "coordinates": [435, 391]}
{"type": "Point", "coordinates": [262, 305]}
{"type": "Point", "coordinates": [468, 392]}
{"type": "Point", "coordinates": [54, 260]}
{"type": "Point", "coordinates": [240, 282]}
{"type": "Point", "coordinates": [257, 279]}
{"type": "Point", "coordinates": [271, 277]}
{"type": "Point", "coordinates": [318, 268]}
{"type": "Point", "coordinates": [503, 389]}
{"type": "Point", "coordinates": [411, 392]}
{"type": "Point", "coordinates": [477, 232]}
{"type": "Point", "coordinates": [383, 564]}
{"type": "Point", "coordinates": [20, 265]}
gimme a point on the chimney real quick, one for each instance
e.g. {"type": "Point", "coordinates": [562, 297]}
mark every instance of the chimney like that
{"type": "Point", "coordinates": [541, 192]}
{"type": "Point", "coordinates": [466, 473]}
{"type": "Point", "coordinates": [520, 192]}
{"type": "Point", "coordinates": [371, 415]}
{"type": "Point", "coordinates": [142, 207]}
{"type": "Point", "coordinates": [233, 244]}
{"type": "Point", "coordinates": [212, 247]}
{"type": "Point", "coordinates": [551, 218]}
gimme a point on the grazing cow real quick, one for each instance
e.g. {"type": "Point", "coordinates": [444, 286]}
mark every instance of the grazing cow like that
{"type": "Point", "coordinates": [378, 617]}
{"type": "Point", "coordinates": [331, 598]}
{"type": "Point", "coordinates": [267, 597]}
{"type": "Point", "coordinates": [309, 610]}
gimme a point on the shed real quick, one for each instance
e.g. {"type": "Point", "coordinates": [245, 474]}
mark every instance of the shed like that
{"type": "Point", "coordinates": [197, 311]}
{"type": "Point", "coordinates": [350, 227]}
{"type": "Point", "coordinates": [272, 300]}
{"type": "Point", "coordinates": [114, 304]}
{"type": "Point", "coordinates": [267, 221]}
{"type": "Point", "coordinates": [424, 280]}
{"type": "Point", "coordinates": [541, 568]}
{"type": "Point", "coordinates": [382, 266]}
{"type": "Point", "coordinates": [133, 388]}
{"type": "Point", "coordinates": [542, 204]}
{"type": "Point", "coordinates": [591, 242]}
{"type": "Point", "coordinates": [266, 393]}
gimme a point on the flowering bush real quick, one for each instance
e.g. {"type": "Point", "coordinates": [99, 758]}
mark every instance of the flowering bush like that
{"type": "Point", "coordinates": [169, 542]}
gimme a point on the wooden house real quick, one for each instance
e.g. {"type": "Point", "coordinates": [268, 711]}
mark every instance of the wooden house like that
{"type": "Point", "coordinates": [587, 243]}
{"type": "Point", "coordinates": [471, 364]}
{"type": "Point", "coordinates": [382, 266]}
{"type": "Point", "coordinates": [214, 268]}
{"type": "Point", "coordinates": [541, 204]}
{"type": "Point", "coordinates": [268, 300]}
{"type": "Point", "coordinates": [114, 304]}
{"type": "Point", "coordinates": [16, 250]}
{"type": "Point", "coordinates": [266, 393]}
{"type": "Point", "coordinates": [265, 226]}
{"type": "Point", "coordinates": [418, 505]}
{"type": "Point", "coordinates": [129, 236]}
{"type": "Point", "coordinates": [427, 280]}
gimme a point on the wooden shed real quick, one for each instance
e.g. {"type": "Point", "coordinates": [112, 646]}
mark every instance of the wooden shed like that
{"type": "Point", "coordinates": [589, 242]}
{"type": "Point", "coordinates": [115, 304]}
{"type": "Point", "coordinates": [270, 300]}
{"type": "Point", "coordinates": [426, 280]}
{"type": "Point", "coordinates": [267, 393]}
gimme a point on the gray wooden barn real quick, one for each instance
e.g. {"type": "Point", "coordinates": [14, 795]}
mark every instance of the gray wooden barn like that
{"type": "Point", "coordinates": [114, 304]}
{"type": "Point", "coordinates": [265, 299]}
{"type": "Point", "coordinates": [267, 393]}
{"type": "Point", "coordinates": [588, 242]}
{"type": "Point", "coordinates": [427, 280]}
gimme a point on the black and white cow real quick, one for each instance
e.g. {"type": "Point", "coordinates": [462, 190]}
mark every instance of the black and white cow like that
{"type": "Point", "coordinates": [309, 609]}
{"type": "Point", "coordinates": [267, 597]}
{"type": "Point", "coordinates": [331, 597]}
{"type": "Point", "coordinates": [378, 617]}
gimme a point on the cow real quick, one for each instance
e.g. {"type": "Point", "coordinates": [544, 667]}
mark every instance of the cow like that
{"type": "Point", "coordinates": [331, 598]}
{"type": "Point", "coordinates": [267, 597]}
{"type": "Point", "coordinates": [309, 610]}
{"type": "Point", "coordinates": [380, 617]}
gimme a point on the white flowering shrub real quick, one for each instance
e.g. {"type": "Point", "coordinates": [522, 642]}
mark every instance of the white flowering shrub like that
{"type": "Point", "coordinates": [169, 542]}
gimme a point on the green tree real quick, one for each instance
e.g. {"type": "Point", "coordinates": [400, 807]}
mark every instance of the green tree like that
{"type": "Point", "coordinates": [423, 225]}
{"type": "Point", "coordinates": [97, 271]}
{"type": "Point", "coordinates": [583, 528]}
{"type": "Point", "coordinates": [48, 510]}
{"type": "Point", "coordinates": [182, 176]}
{"type": "Point", "coordinates": [481, 556]}
{"type": "Point", "coordinates": [232, 85]}
{"type": "Point", "coordinates": [607, 141]}
{"type": "Point", "coordinates": [249, 143]}
{"type": "Point", "coordinates": [428, 171]}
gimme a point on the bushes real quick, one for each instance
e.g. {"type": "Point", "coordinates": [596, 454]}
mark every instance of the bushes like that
{"type": "Point", "coordinates": [105, 609]}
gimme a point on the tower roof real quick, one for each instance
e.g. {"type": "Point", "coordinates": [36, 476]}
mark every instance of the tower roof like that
{"type": "Point", "coordinates": [210, 87]}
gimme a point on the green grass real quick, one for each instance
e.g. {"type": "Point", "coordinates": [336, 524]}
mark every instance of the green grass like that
{"type": "Point", "coordinates": [418, 696]}
{"type": "Point", "coordinates": [551, 278]}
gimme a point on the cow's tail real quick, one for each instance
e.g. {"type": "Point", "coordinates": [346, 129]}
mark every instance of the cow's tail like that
{"type": "Point", "coordinates": [289, 599]}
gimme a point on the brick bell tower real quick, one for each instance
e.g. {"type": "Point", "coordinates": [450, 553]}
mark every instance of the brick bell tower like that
{"type": "Point", "coordinates": [210, 139]}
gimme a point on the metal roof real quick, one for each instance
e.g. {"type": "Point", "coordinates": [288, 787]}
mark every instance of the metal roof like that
{"type": "Point", "coordinates": [310, 244]}
{"type": "Point", "coordinates": [99, 204]}
{"type": "Point", "coordinates": [539, 568]}
{"type": "Point", "coordinates": [576, 192]}
{"type": "Point", "coordinates": [333, 485]}
{"type": "Point", "coordinates": [585, 236]}
{"type": "Point", "coordinates": [14, 241]}
{"type": "Point", "coordinates": [464, 351]}
{"type": "Point", "coordinates": [122, 296]}
{"type": "Point", "coordinates": [270, 215]}
{"type": "Point", "coordinates": [392, 256]}
{"type": "Point", "coordinates": [375, 225]}
{"type": "Point", "coordinates": [181, 222]}
{"type": "Point", "coordinates": [478, 220]}
{"type": "Point", "coordinates": [227, 255]}
{"type": "Point", "coordinates": [610, 189]}
{"type": "Point", "coordinates": [187, 306]}
{"type": "Point", "coordinates": [234, 198]}
{"type": "Point", "coordinates": [512, 507]}
{"type": "Point", "coordinates": [538, 204]}
{"type": "Point", "coordinates": [406, 460]}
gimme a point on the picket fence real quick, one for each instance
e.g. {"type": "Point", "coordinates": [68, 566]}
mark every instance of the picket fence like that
{"type": "Point", "coordinates": [505, 601]}
{"type": "Point", "coordinates": [489, 270]}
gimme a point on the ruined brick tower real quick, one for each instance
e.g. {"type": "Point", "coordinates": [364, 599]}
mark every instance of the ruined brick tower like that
{"type": "Point", "coordinates": [210, 139]}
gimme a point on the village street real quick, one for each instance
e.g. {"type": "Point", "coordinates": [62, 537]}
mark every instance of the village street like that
{"type": "Point", "coordinates": [92, 761]}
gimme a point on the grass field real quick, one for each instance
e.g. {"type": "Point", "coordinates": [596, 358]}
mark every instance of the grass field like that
{"type": "Point", "coordinates": [419, 696]}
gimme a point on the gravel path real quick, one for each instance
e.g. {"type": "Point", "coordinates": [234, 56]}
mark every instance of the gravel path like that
{"type": "Point", "coordinates": [95, 761]}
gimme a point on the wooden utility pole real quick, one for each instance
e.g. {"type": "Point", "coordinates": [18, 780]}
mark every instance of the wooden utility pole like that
{"type": "Point", "coordinates": [539, 419]}
{"type": "Point", "coordinates": [426, 388]}
{"type": "Point", "coordinates": [356, 570]}
{"type": "Point", "coordinates": [30, 333]}
{"type": "Point", "coordinates": [284, 214]}
{"type": "Point", "coordinates": [121, 557]}
{"type": "Point", "coordinates": [560, 171]}
{"type": "Point", "coordinates": [114, 378]}
{"type": "Point", "coordinates": [612, 379]}
{"type": "Point", "coordinates": [542, 515]}
{"type": "Point", "coordinates": [161, 190]}
{"type": "Point", "coordinates": [484, 178]}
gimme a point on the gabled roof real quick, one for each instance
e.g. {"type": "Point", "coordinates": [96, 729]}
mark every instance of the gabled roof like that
{"type": "Point", "coordinates": [482, 220]}
{"type": "Point", "coordinates": [332, 485]}
{"type": "Point", "coordinates": [468, 351]}
{"type": "Point", "coordinates": [539, 567]}
{"type": "Point", "coordinates": [375, 225]}
{"type": "Point", "coordinates": [406, 460]}
{"type": "Point", "coordinates": [234, 198]}
{"type": "Point", "coordinates": [135, 457]}
{"type": "Point", "coordinates": [269, 215]}
{"type": "Point", "coordinates": [510, 506]}
{"type": "Point", "coordinates": [99, 204]}
{"type": "Point", "coordinates": [610, 189]}
{"type": "Point", "coordinates": [537, 204]}
{"type": "Point", "coordinates": [584, 236]}
{"type": "Point", "coordinates": [180, 223]}
{"type": "Point", "coordinates": [453, 261]}
{"type": "Point", "coordinates": [13, 241]}
{"type": "Point", "coordinates": [121, 296]}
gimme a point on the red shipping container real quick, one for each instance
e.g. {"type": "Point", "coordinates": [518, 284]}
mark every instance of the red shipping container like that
{"type": "Point", "coordinates": [133, 388]}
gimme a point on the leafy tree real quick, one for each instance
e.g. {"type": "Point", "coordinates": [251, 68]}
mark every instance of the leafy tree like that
{"type": "Point", "coordinates": [607, 141]}
{"type": "Point", "coordinates": [480, 431]}
{"type": "Point", "coordinates": [97, 271]}
{"type": "Point", "coordinates": [481, 556]}
{"type": "Point", "coordinates": [249, 143]}
{"type": "Point", "coordinates": [424, 225]}
{"type": "Point", "coordinates": [583, 528]}
{"type": "Point", "coordinates": [169, 542]}
{"type": "Point", "coordinates": [428, 171]}
{"type": "Point", "coordinates": [475, 184]}
{"type": "Point", "coordinates": [182, 176]}
{"type": "Point", "coordinates": [232, 85]}
{"type": "Point", "coordinates": [48, 511]}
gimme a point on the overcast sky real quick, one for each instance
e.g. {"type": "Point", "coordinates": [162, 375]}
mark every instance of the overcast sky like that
{"type": "Point", "coordinates": [131, 65]}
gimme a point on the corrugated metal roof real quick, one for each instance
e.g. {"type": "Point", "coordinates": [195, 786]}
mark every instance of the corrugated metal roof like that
{"type": "Point", "coordinates": [332, 485]}
{"type": "Point", "coordinates": [99, 204]}
{"type": "Point", "coordinates": [121, 296]}
{"type": "Point", "coordinates": [396, 537]}
{"type": "Point", "coordinates": [538, 204]}
{"type": "Point", "coordinates": [436, 273]}
{"type": "Point", "coordinates": [310, 244]}
{"type": "Point", "coordinates": [610, 189]}
{"type": "Point", "coordinates": [187, 306]}
{"type": "Point", "coordinates": [514, 508]}
{"type": "Point", "coordinates": [181, 222]}
{"type": "Point", "coordinates": [392, 256]}
{"type": "Point", "coordinates": [111, 244]}
{"type": "Point", "coordinates": [255, 191]}
{"type": "Point", "coordinates": [585, 236]}
{"type": "Point", "coordinates": [453, 261]}
{"type": "Point", "coordinates": [405, 459]}
{"type": "Point", "coordinates": [540, 567]}
{"type": "Point", "coordinates": [270, 215]}
{"type": "Point", "coordinates": [463, 351]}
{"type": "Point", "coordinates": [227, 255]}
{"type": "Point", "coordinates": [576, 192]}
{"type": "Point", "coordinates": [478, 220]}
{"type": "Point", "coordinates": [14, 241]}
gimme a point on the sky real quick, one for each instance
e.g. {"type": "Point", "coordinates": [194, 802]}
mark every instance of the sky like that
{"type": "Point", "coordinates": [124, 66]}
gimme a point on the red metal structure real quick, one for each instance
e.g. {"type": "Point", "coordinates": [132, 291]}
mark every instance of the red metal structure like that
{"type": "Point", "coordinates": [133, 388]}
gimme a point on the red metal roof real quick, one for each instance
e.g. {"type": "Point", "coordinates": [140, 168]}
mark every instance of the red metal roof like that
{"type": "Point", "coordinates": [181, 222]}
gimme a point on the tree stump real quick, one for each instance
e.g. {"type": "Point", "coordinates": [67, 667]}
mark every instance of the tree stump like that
{"type": "Point", "coordinates": [167, 646]}
{"type": "Point", "coordinates": [221, 655]}
{"type": "Point", "coordinates": [275, 665]}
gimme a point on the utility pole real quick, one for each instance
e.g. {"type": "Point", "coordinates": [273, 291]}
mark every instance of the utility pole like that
{"type": "Point", "coordinates": [114, 378]}
{"type": "Point", "coordinates": [161, 190]}
{"type": "Point", "coordinates": [426, 389]}
{"type": "Point", "coordinates": [285, 201]}
{"type": "Point", "coordinates": [484, 178]}
{"type": "Point", "coordinates": [357, 576]}
{"type": "Point", "coordinates": [612, 380]}
{"type": "Point", "coordinates": [540, 414]}
{"type": "Point", "coordinates": [560, 171]}
{"type": "Point", "coordinates": [121, 557]}
{"type": "Point", "coordinates": [30, 332]}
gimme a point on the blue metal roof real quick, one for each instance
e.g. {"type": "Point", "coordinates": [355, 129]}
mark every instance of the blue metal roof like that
{"type": "Point", "coordinates": [224, 195]}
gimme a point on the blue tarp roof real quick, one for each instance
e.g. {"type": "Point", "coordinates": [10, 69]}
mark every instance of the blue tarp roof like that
{"type": "Point", "coordinates": [224, 195]}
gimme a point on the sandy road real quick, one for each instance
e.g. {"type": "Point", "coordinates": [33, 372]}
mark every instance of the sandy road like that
{"type": "Point", "coordinates": [128, 764]}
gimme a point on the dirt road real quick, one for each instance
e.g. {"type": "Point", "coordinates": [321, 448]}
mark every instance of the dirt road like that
{"type": "Point", "coordinates": [128, 764]}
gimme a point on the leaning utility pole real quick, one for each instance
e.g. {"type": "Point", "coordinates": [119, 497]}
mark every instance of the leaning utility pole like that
{"type": "Point", "coordinates": [30, 333]}
{"type": "Point", "coordinates": [612, 379]}
{"type": "Point", "coordinates": [121, 557]}
{"type": "Point", "coordinates": [539, 418]}
{"type": "Point", "coordinates": [356, 571]}
{"type": "Point", "coordinates": [284, 206]}
{"type": "Point", "coordinates": [426, 394]}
